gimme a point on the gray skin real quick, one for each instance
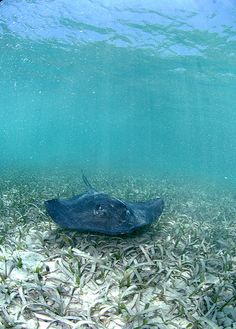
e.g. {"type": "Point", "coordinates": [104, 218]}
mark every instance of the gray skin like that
{"type": "Point", "coordinates": [98, 212]}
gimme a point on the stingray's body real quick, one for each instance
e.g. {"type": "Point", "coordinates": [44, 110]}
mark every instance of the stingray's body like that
{"type": "Point", "coordinates": [98, 212]}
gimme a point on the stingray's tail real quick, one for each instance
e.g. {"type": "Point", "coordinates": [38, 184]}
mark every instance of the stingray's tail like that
{"type": "Point", "coordinates": [86, 182]}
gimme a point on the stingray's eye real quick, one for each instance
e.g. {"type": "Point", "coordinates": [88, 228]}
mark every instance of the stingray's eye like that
{"type": "Point", "coordinates": [98, 207]}
{"type": "Point", "coordinates": [99, 210]}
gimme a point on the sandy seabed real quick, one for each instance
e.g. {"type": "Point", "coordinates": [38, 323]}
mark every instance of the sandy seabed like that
{"type": "Point", "coordinates": [178, 273]}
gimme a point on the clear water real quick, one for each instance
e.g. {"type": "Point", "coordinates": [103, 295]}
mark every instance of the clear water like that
{"type": "Point", "coordinates": [119, 85]}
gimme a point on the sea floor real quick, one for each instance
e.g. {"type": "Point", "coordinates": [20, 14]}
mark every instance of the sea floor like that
{"type": "Point", "coordinates": [178, 273]}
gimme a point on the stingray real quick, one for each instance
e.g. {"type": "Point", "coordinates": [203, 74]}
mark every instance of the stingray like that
{"type": "Point", "coordinates": [95, 211]}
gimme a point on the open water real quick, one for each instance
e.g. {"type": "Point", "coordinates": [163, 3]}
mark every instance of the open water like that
{"type": "Point", "coordinates": [137, 87]}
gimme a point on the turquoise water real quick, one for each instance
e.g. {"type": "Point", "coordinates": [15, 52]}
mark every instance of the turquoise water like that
{"type": "Point", "coordinates": [119, 85]}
